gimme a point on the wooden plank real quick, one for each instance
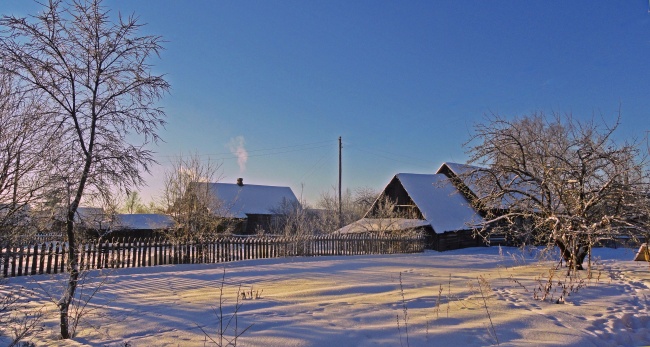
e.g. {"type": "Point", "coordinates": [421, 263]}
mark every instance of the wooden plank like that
{"type": "Point", "coordinates": [49, 259]}
{"type": "Point", "coordinates": [56, 257]}
{"type": "Point", "coordinates": [34, 260]}
{"type": "Point", "coordinates": [41, 261]}
{"type": "Point", "coordinates": [64, 252]}
{"type": "Point", "coordinates": [27, 259]}
{"type": "Point", "coordinates": [135, 246]}
{"type": "Point", "coordinates": [21, 251]}
{"type": "Point", "coordinates": [5, 261]}
{"type": "Point", "coordinates": [111, 256]}
{"type": "Point", "coordinates": [93, 249]}
{"type": "Point", "coordinates": [14, 250]}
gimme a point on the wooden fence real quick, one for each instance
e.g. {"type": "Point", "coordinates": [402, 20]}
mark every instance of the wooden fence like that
{"type": "Point", "coordinates": [51, 257]}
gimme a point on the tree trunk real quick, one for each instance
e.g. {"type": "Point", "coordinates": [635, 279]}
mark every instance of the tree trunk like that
{"type": "Point", "coordinates": [73, 270]}
{"type": "Point", "coordinates": [73, 252]}
{"type": "Point", "coordinates": [574, 257]}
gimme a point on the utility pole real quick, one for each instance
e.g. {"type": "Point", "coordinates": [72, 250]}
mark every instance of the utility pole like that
{"type": "Point", "coordinates": [340, 175]}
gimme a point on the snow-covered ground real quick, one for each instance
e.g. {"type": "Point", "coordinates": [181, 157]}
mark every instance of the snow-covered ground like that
{"type": "Point", "coordinates": [359, 301]}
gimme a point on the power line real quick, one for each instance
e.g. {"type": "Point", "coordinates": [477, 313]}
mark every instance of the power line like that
{"type": "Point", "coordinates": [317, 166]}
{"type": "Point", "coordinates": [272, 151]}
{"type": "Point", "coordinates": [391, 157]}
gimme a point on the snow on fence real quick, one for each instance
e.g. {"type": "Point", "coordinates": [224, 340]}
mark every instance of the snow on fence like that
{"type": "Point", "coordinates": [50, 257]}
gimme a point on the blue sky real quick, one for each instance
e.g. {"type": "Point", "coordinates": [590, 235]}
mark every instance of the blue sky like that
{"type": "Point", "coordinates": [402, 82]}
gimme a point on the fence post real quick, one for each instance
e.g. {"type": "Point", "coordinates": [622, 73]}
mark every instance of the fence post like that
{"type": "Point", "coordinates": [100, 258]}
{"type": "Point", "coordinates": [21, 250]}
{"type": "Point", "coordinates": [104, 250]}
{"type": "Point", "coordinates": [137, 251]}
{"type": "Point", "coordinates": [34, 261]}
{"type": "Point", "coordinates": [155, 252]}
{"type": "Point", "coordinates": [13, 252]}
{"type": "Point", "coordinates": [27, 258]}
{"type": "Point", "coordinates": [158, 257]}
{"type": "Point", "coordinates": [41, 262]}
{"type": "Point", "coordinates": [172, 253]}
{"type": "Point", "coordinates": [129, 244]}
{"type": "Point", "coordinates": [92, 253]}
{"type": "Point", "coordinates": [212, 251]}
{"type": "Point", "coordinates": [147, 250]}
{"type": "Point", "coordinates": [49, 259]}
{"type": "Point", "coordinates": [56, 257]}
{"type": "Point", "coordinates": [5, 262]}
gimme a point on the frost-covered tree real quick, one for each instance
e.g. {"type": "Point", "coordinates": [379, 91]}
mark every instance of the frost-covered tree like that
{"type": "Point", "coordinates": [94, 81]}
{"type": "Point", "coordinates": [25, 142]}
{"type": "Point", "coordinates": [188, 198]}
{"type": "Point", "coordinates": [558, 180]}
{"type": "Point", "coordinates": [354, 206]}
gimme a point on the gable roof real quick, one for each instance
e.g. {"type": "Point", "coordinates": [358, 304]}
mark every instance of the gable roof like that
{"type": "Point", "coordinates": [91, 217]}
{"type": "Point", "coordinates": [456, 168]}
{"type": "Point", "coordinates": [143, 221]}
{"type": "Point", "coordinates": [240, 201]}
{"type": "Point", "coordinates": [439, 201]}
{"type": "Point", "coordinates": [463, 172]}
{"type": "Point", "coordinates": [89, 214]}
{"type": "Point", "coordinates": [470, 176]}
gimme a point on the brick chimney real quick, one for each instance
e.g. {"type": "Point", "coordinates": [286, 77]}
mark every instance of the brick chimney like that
{"type": "Point", "coordinates": [240, 182]}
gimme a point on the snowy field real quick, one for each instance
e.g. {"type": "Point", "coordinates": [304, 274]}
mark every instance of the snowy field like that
{"type": "Point", "coordinates": [359, 301]}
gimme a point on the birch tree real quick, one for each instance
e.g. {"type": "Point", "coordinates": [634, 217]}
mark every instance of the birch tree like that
{"type": "Point", "coordinates": [93, 76]}
{"type": "Point", "coordinates": [557, 180]}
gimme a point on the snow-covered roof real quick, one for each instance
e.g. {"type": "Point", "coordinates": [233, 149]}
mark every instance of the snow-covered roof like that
{"type": "Point", "coordinates": [382, 225]}
{"type": "Point", "coordinates": [240, 201]}
{"type": "Point", "coordinates": [143, 221]}
{"type": "Point", "coordinates": [470, 176]}
{"type": "Point", "coordinates": [440, 203]}
{"type": "Point", "coordinates": [467, 174]}
{"type": "Point", "coordinates": [457, 168]}
{"type": "Point", "coordinates": [91, 217]}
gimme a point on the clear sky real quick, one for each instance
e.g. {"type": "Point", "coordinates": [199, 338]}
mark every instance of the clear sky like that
{"type": "Point", "coordinates": [402, 82]}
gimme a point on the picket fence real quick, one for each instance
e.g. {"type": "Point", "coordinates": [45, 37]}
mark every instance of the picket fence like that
{"type": "Point", "coordinates": [51, 257]}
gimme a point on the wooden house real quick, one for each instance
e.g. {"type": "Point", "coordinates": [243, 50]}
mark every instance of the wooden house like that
{"type": "Point", "coordinates": [254, 207]}
{"type": "Point", "coordinates": [465, 178]}
{"type": "Point", "coordinates": [433, 206]}
{"type": "Point", "coordinates": [140, 225]}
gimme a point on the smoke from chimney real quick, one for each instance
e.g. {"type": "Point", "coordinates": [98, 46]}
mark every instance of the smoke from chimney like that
{"type": "Point", "coordinates": [236, 146]}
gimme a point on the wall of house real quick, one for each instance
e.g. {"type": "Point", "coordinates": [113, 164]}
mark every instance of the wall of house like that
{"type": "Point", "coordinates": [397, 194]}
{"type": "Point", "coordinates": [453, 240]}
{"type": "Point", "coordinates": [257, 222]}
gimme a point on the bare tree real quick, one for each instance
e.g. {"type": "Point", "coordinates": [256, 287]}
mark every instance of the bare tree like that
{"type": "Point", "coordinates": [302, 219]}
{"type": "Point", "coordinates": [133, 204]}
{"type": "Point", "coordinates": [354, 206]}
{"type": "Point", "coordinates": [557, 180]}
{"type": "Point", "coordinates": [364, 198]}
{"type": "Point", "coordinates": [188, 198]}
{"type": "Point", "coordinates": [93, 77]}
{"type": "Point", "coordinates": [25, 142]}
{"type": "Point", "coordinates": [386, 216]}
{"type": "Point", "coordinates": [293, 219]}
